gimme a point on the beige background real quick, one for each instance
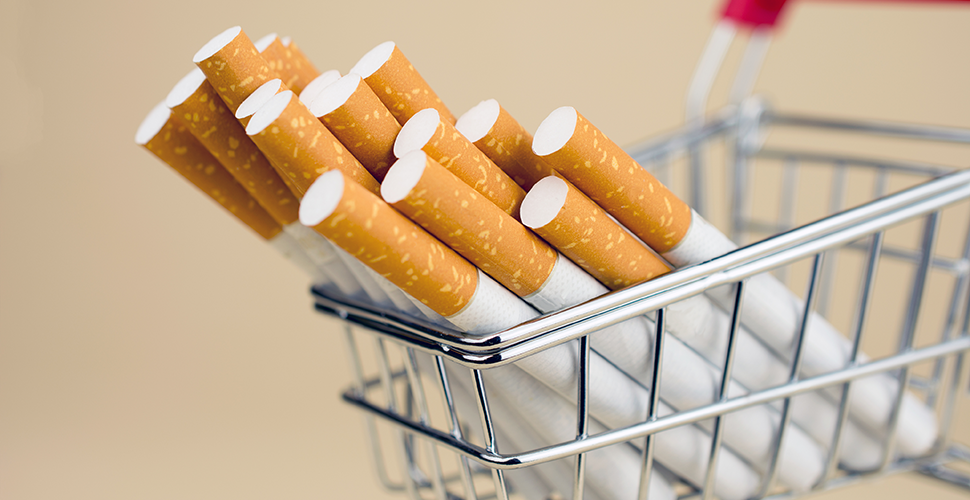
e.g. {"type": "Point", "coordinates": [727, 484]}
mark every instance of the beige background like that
{"type": "Point", "coordinates": [150, 347]}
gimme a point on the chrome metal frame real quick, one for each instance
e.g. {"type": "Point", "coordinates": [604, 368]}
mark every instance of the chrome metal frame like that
{"type": "Point", "coordinates": [859, 229]}
{"type": "Point", "coordinates": [741, 127]}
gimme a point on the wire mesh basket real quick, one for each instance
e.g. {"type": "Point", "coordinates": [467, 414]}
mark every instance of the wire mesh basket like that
{"type": "Point", "coordinates": [879, 247]}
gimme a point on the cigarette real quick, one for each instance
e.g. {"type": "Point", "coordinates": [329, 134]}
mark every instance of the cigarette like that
{"type": "Point", "coordinates": [398, 84]}
{"type": "Point", "coordinates": [443, 143]}
{"type": "Point", "coordinates": [493, 130]}
{"type": "Point", "coordinates": [374, 287]}
{"type": "Point", "coordinates": [233, 65]}
{"type": "Point", "coordinates": [312, 90]}
{"type": "Point", "coordinates": [577, 227]}
{"type": "Point", "coordinates": [195, 104]}
{"type": "Point", "coordinates": [300, 146]}
{"type": "Point", "coordinates": [513, 433]}
{"type": "Point", "coordinates": [466, 221]}
{"type": "Point", "coordinates": [172, 143]}
{"type": "Point", "coordinates": [290, 63]}
{"type": "Point", "coordinates": [355, 219]}
{"type": "Point", "coordinates": [351, 110]}
{"type": "Point", "coordinates": [434, 198]}
{"type": "Point", "coordinates": [257, 99]}
{"type": "Point", "coordinates": [543, 418]}
{"type": "Point", "coordinates": [611, 178]}
{"type": "Point", "coordinates": [684, 450]}
{"type": "Point", "coordinates": [565, 218]}
{"type": "Point", "coordinates": [478, 230]}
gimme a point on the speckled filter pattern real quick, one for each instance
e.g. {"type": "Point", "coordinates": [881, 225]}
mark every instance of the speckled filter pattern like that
{"type": "Point", "coordinates": [177, 147]}
{"type": "Point", "coordinates": [236, 70]}
{"type": "Point", "coordinates": [594, 241]}
{"type": "Point", "coordinates": [303, 149]}
{"type": "Point", "coordinates": [211, 122]}
{"type": "Point", "coordinates": [367, 128]}
{"type": "Point", "coordinates": [509, 145]}
{"type": "Point", "coordinates": [403, 90]}
{"type": "Point", "coordinates": [477, 229]}
{"type": "Point", "coordinates": [396, 248]}
{"type": "Point", "coordinates": [290, 64]}
{"type": "Point", "coordinates": [456, 153]}
{"type": "Point", "coordinates": [615, 181]}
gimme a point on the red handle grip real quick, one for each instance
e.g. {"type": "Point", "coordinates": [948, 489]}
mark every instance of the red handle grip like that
{"type": "Point", "coordinates": [755, 13]}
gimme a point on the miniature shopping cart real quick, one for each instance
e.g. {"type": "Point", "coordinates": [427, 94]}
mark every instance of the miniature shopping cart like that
{"type": "Point", "coordinates": [895, 265]}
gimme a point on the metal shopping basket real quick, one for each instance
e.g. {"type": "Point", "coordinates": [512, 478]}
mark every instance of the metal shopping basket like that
{"type": "Point", "coordinates": [890, 264]}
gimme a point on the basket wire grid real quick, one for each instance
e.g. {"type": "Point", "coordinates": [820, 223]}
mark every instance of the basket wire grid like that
{"type": "Point", "coordinates": [436, 451]}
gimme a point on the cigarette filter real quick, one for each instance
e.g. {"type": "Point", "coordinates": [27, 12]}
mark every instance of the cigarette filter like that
{"type": "Point", "coordinates": [300, 146]}
{"type": "Point", "coordinates": [352, 277]}
{"type": "Point", "coordinates": [355, 219]}
{"type": "Point", "coordinates": [172, 143]}
{"type": "Point", "coordinates": [312, 90]}
{"type": "Point", "coordinates": [611, 178]}
{"type": "Point", "coordinates": [351, 110]}
{"type": "Point", "coordinates": [233, 65]}
{"type": "Point", "coordinates": [601, 170]}
{"type": "Point", "coordinates": [207, 118]}
{"type": "Point", "coordinates": [443, 143]}
{"type": "Point", "coordinates": [493, 130]}
{"type": "Point", "coordinates": [398, 84]}
{"type": "Point", "coordinates": [289, 62]}
{"type": "Point", "coordinates": [257, 99]}
{"type": "Point", "coordinates": [195, 104]}
{"type": "Point", "coordinates": [473, 226]}
{"type": "Point", "coordinates": [579, 228]}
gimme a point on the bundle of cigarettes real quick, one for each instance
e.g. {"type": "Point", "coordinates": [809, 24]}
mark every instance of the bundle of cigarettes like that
{"type": "Point", "coordinates": [370, 184]}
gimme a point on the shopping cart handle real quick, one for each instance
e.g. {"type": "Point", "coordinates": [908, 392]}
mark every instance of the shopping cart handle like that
{"type": "Point", "coordinates": [753, 13]}
{"type": "Point", "coordinates": [758, 13]}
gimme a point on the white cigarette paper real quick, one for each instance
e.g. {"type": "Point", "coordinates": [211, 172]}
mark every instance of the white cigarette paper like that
{"type": "Point", "coordinates": [611, 473]}
{"type": "Point", "coordinates": [490, 238]}
{"type": "Point", "coordinates": [605, 173]}
{"type": "Point", "coordinates": [572, 222]}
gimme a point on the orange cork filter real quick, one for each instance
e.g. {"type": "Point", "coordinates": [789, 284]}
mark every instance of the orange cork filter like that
{"type": "Point", "coordinates": [398, 84]}
{"type": "Point", "coordinates": [175, 145]}
{"type": "Point", "coordinates": [196, 104]}
{"type": "Point", "coordinates": [466, 221]}
{"type": "Point", "coordinates": [611, 178]}
{"type": "Point", "coordinates": [579, 228]}
{"type": "Point", "coordinates": [493, 130]}
{"type": "Point", "coordinates": [299, 145]}
{"type": "Point", "coordinates": [358, 221]}
{"type": "Point", "coordinates": [351, 110]}
{"type": "Point", "coordinates": [443, 143]}
{"type": "Point", "coordinates": [233, 65]}
{"type": "Point", "coordinates": [289, 62]}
